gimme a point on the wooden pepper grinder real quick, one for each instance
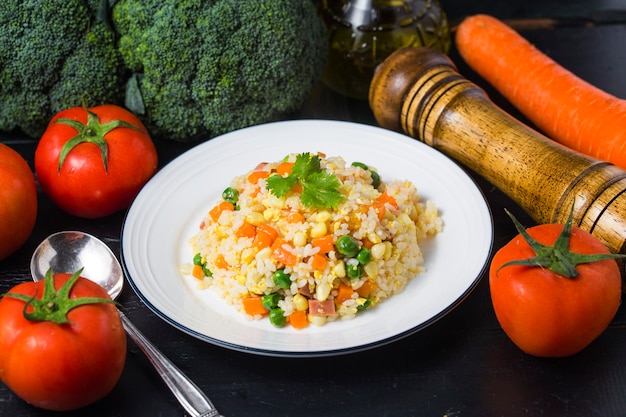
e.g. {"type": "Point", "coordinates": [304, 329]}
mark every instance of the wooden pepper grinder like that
{"type": "Point", "coordinates": [419, 91]}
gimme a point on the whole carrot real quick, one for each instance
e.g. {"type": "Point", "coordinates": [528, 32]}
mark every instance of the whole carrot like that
{"type": "Point", "coordinates": [565, 107]}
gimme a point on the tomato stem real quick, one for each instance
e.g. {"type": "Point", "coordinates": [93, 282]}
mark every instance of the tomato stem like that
{"type": "Point", "coordinates": [558, 258]}
{"type": "Point", "coordinates": [92, 132]}
{"type": "Point", "coordinates": [55, 305]}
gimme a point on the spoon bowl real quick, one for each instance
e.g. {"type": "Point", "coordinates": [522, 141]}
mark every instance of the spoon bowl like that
{"type": "Point", "coordinates": [69, 251]}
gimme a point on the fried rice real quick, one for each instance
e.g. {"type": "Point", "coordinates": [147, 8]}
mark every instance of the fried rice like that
{"type": "Point", "coordinates": [285, 253]}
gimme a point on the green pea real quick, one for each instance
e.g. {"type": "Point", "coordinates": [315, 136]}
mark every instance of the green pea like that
{"type": "Point", "coordinates": [375, 179]}
{"type": "Point", "coordinates": [230, 195]}
{"type": "Point", "coordinates": [270, 301]}
{"type": "Point", "coordinates": [197, 260]}
{"type": "Point", "coordinates": [277, 317]}
{"type": "Point", "coordinates": [282, 279]}
{"type": "Point", "coordinates": [354, 271]}
{"type": "Point", "coordinates": [360, 165]}
{"type": "Point", "coordinates": [347, 246]}
{"type": "Point", "coordinates": [365, 305]}
{"type": "Point", "coordinates": [364, 256]}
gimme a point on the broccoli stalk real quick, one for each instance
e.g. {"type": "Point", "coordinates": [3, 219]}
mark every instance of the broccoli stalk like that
{"type": "Point", "coordinates": [54, 54]}
{"type": "Point", "coordinates": [204, 68]}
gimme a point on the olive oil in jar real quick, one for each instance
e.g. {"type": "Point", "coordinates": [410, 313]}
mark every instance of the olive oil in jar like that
{"type": "Point", "coordinates": [362, 33]}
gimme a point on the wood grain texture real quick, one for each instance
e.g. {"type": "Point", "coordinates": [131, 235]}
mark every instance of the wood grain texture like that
{"type": "Point", "coordinates": [419, 91]}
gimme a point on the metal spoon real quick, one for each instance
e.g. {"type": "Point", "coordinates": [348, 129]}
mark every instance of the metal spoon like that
{"type": "Point", "coordinates": [69, 251]}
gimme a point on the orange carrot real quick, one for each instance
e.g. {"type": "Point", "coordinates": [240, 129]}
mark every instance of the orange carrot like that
{"type": "Point", "coordinates": [265, 236]}
{"type": "Point", "coordinates": [197, 272]}
{"type": "Point", "coordinates": [367, 288]}
{"type": "Point", "coordinates": [253, 305]}
{"type": "Point", "coordinates": [246, 230]}
{"type": "Point", "coordinates": [255, 176]}
{"type": "Point", "coordinates": [281, 254]}
{"type": "Point", "coordinates": [381, 202]}
{"type": "Point", "coordinates": [284, 168]}
{"type": "Point", "coordinates": [325, 243]}
{"type": "Point", "coordinates": [295, 217]}
{"type": "Point", "coordinates": [344, 292]}
{"type": "Point", "coordinates": [298, 319]}
{"type": "Point", "coordinates": [319, 262]}
{"type": "Point", "coordinates": [566, 108]}
{"type": "Point", "coordinates": [216, 211]}
{"type": "Point", "coordinates": [220, 262]}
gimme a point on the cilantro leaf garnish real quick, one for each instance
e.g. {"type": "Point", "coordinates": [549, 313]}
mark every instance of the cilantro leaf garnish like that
{"type": "Point", "coordinates": [320, 189]}
{"type": "Point", "coordinates": [280, 186]}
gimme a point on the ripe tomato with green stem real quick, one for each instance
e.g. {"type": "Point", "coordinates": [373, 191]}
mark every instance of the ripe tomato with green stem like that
{"type": "Point", "coordinates": [18, 201]}
{"type": "Point", "coordinates": [62, 344]}
{"type": "Point", "coordinates": [554, 288]}
{"type": "Point", "coordinates": [92, 162]}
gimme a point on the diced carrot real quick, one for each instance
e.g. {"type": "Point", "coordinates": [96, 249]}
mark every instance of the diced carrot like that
{"type": "Point", "coordinates": [295, 217]}
{"type": "Point", "coordinates": [255, 176]}
{"type": "Point", "coordinates": [220, 262]}
{"type": "Point", "coordinates": [380, 204]}
{"type": "Point", "coordinates": [197, 272]}
{"type": "Point", "coordinates": [298, 319]}
{"type": "Point", "coordinates": [319, 261]}
{"type": "Point", "coordinates": [246, 230]}
{"type": "Point", "coordinates": [216, 211]}
{"type": "Point", "coordinates": [367, 243]}
{"type": "Point", "coordinates": [325, 243]}
{"type": "Point", "coordinates": [296, 189]}
{"type": "Point", "coordinates": [253, 305]}
{"type": "Point", "coordinates": [264, 227]}
{"type": "Point", "coordinates": [367, 288]}
{"type": "Point", "coordinates": [281, 254]}
{"type": "Point", "coordinates": [284, 168]}
{"type": "Point", "coordinates": [265, 236]}
{"type": "Point", "coordinates": [344, 292]}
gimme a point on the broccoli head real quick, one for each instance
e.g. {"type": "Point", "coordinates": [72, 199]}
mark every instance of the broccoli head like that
{"type": "Point", "coordinates": [54, 54]}
{"type": "Point", "coordinates": [204, 68]}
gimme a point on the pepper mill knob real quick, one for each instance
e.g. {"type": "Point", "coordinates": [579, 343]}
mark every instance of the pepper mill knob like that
{"type": "Point", "coordinates": [419, 91]}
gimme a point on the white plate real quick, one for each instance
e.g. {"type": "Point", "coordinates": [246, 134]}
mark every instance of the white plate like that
{"type": "Point", "coordinates": [168, 210]}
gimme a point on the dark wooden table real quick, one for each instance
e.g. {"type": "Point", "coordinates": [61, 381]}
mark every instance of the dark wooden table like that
{"type": "Point", "coordinates": [462, 365]}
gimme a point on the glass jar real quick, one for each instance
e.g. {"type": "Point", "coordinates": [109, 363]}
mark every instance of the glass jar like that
{"type": "Point", "coordinates": [362, 33]}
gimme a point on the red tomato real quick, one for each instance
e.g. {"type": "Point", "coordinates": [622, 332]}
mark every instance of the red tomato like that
{"type": "Point", "coordinates": [18, 201]}
{"type": "Point", "coordinates": [547, 314]}
{"type": "Point", "coordinates": [61, 366]}
{"type": "Point", "coordinates": [83, 185]}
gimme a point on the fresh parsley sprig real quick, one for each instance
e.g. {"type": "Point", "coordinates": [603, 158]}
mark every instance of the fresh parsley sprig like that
{"type": "Point", "coordinates": [320, 189]}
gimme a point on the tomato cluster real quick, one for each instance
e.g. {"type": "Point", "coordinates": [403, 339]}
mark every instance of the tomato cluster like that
{"type": "Point", "coordinates": [62, 344]}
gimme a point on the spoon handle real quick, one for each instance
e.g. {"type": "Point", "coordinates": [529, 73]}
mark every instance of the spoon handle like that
{"type": "Point", "coordinates": [193, 400]}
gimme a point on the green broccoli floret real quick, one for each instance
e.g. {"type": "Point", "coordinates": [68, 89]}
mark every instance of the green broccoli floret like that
{"type": "Point", "coordinates": [54, 54]}
{"type": "Point", "coordinates": [204, 68]}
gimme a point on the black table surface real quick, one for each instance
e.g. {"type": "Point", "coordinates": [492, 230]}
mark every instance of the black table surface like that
{"type": "Point", "coordinates": [462, 365]}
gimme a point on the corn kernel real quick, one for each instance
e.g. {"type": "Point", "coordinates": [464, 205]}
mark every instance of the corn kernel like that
{"type": "Point", "coordinates": [322, 291]}
{"type": "Point", "coordinates": [300, 302]}
{"type": "Point", "coordinates": [319, 229]}
{"type": "Point", "coordinates": [371, 269]}
{"type": "Point", "coordinates": [255, 218]}
{"type": "Point", "coordinates": [378, 251]}
{"type": "Point", "coordinates": [339, 270]}
{"type": "Point", "coordinates": [299, 239]}
{"type": "Point", "coordinates": [388, 250]}
{"type": "Point", "coordinates": [317, 320]}
{"type": "Point", "coordinates": [323, 216]}
{"type": "Point", "coordinates": [374, 238]}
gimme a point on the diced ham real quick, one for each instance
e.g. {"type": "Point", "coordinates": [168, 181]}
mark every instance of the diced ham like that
{"type": "Point", "coordinates": [322, 308]}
